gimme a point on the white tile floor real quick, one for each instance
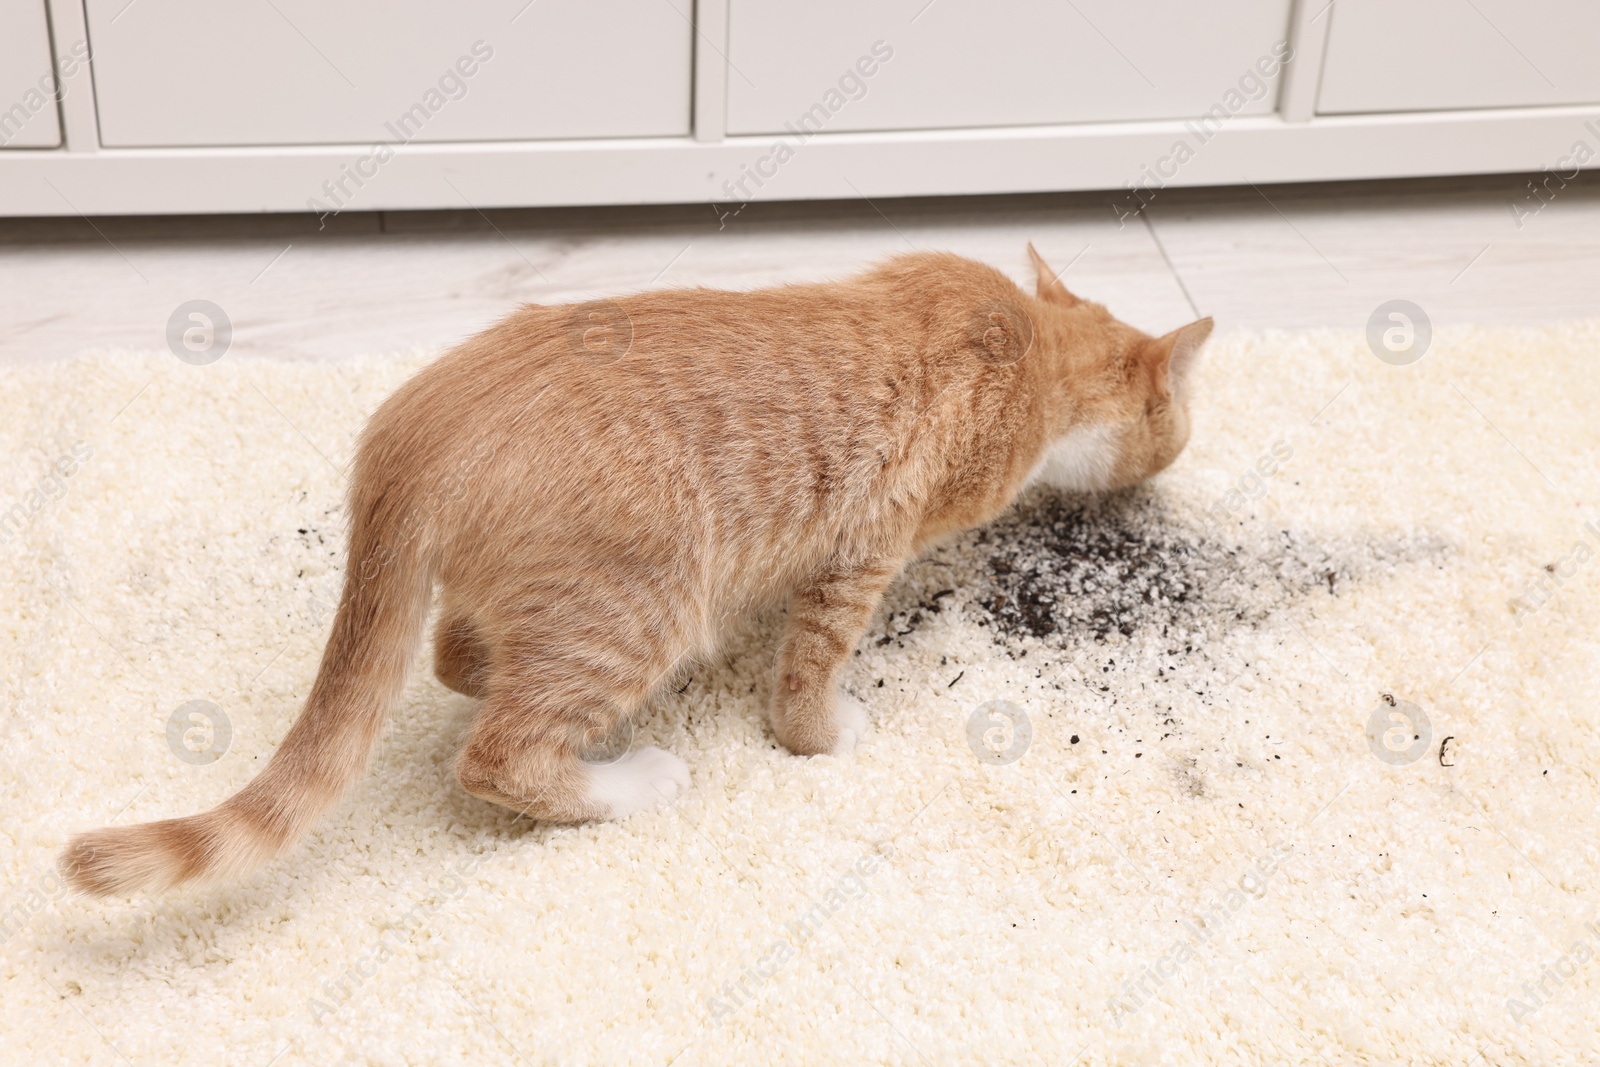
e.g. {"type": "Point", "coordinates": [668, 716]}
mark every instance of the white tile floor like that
{"type": "Point", "coordinates": [1310, 255]}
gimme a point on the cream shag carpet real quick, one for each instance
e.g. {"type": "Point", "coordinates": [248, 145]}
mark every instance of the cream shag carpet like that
{"type": "Point", "coordinates": [1148, 778]}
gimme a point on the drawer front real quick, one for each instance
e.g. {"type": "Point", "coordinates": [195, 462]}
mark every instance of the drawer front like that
{"type": "Point", "coordinates": [1434, 55]}
{"type": "Point", "coordinates": [275, 72]}
{"type": "Point", "coordinates": [28, 114]}
{"type": "Point", "coordinates": [958, 63]}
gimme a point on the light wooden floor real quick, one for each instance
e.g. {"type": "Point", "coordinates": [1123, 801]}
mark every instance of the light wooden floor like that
{"type": "Point", "coordinates": [1320, 255]}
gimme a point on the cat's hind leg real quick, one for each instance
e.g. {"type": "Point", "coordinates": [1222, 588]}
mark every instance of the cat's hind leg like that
{"type": "Point", "coordinates": [460, 655]}
{"type": "Point", "coordinates": [552, 700]}
{"type": "Point", "coordinates": [828, 612]}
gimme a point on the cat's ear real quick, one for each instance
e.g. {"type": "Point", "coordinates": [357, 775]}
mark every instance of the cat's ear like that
{"type": "Point", "coordinates": [1173, 357]}
{"type": "Point", "coordinates": [1050, 287]}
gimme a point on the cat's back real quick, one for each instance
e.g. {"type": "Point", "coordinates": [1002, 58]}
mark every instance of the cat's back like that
{"type": "Point", "coordinates": [710, 379]}
{"type": "Point", "coordinates": [768, 421]}
{"type": "Point", "coordinates": [886, 315]}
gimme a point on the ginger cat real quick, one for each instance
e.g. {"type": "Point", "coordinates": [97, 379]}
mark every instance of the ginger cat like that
{"type": "Point", "coordinates": [595, 488]}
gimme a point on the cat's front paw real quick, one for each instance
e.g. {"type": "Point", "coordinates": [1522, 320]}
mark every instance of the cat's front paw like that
{"type": "Point", "coordinates": [851, 718]}
{"type": "Point", "coordinates": [814, 722]}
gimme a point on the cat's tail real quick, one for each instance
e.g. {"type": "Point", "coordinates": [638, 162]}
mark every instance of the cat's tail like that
{"type": "Point", "coordinates": [376, 632]}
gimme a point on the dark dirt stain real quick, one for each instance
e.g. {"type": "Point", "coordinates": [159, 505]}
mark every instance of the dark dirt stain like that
{"type": "Point", "coordinates": [1124, 567]}
{"type": "Point", "coordinates": [1187, 778]}
{"type": "Point", "coordinates": [1137, 600]}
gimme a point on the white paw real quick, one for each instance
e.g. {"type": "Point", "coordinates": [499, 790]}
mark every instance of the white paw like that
{"type": "Point", "coordinates": [641, 779]}
{"type": "Point", "coordinates": [852, 720]}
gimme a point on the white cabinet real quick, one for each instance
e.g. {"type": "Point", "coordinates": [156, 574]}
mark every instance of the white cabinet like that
{"type": "Point", "coordinates": [333, 105]}
{"type": "Point", "coordinates": [28, 116]}
{"type": "Point", "coordinates": [955, 63]}
{"type": "Point", "coordinates": [1430, 55]}
{"type": "Point", "coordinates": [285, 72]}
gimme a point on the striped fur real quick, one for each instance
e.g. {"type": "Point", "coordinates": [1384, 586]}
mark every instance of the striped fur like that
{"type": "Point", "coordinates": [596, 489]}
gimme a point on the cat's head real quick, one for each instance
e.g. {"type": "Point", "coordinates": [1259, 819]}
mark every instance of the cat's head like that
{"type": "Point", "coordinates": [1124, 414]}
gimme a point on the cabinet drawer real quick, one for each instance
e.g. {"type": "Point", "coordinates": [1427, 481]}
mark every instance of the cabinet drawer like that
{"type": "Point", "coordinates": [28, 115]}
{"type": "Point", "coordinates": [956, 63]}
{"type": "Point", "coordinates": [1433, 55]}
{"type": "Point", "coordinates": [273, 72]}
